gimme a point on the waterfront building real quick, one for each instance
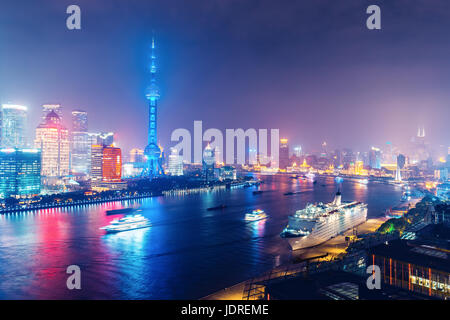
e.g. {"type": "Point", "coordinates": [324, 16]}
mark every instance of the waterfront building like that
{"type": "Point", "coordinates": [102, 138]}
{"type": "Point", "coordinates": [401, 161]}
{"type": "Point", "coordinates": [219, 157]}
{"type": "Point", "coordinates": [298, 151]}
{"type": "Point", "coordinates": [375, 158]}
{"type": "Point", "coordinates": [284, 154]}
{"type": "Point", "coordinates": [443, 191]}
{"type": "Point", "coordinates": [112, 164]}
{"type": "Point", "coordinates": [153, 150]}
{"type": "Point", "coordinates": [359, 168]}
{"type": "Point", "coordinates": [96, 162]}
{"type": "Point", "coordinates": [414, 266]}
{"type": "Point", "coordinates": [441, 174]}
{"type": "Point", "coordinates": [13, 119]}
{"type": "Point", "coordinates": [227, 173]}
{"type": "Point", "coordinates": [137, 155]}
{"type": "Point", "coordinates": [79, 121]}
{"type": "Point", "coordinates": [47, 108]}
{"type": "Point", "coordinates": [53, 140]}
{"type": "Point", "coordinates": [208, 163]}
{"type": "Point", "coordinates": [106, 164]}
{"type": "Point", "coordinates": [175, 163]}
{"type": "Point", "coordinates": [80, 143]}
{"type": "Point", "coordinates": [20, 172]}
{"type": "Point", "coordinates": [133, 169]}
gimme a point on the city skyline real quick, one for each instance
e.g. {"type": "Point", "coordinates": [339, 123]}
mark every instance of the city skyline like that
{"type": "Point", "coordinates": [279, 71]}
{"type": "Point", "coordinates": [310, 156]}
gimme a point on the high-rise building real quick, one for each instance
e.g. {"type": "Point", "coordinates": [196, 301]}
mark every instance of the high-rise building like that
{"type": "Point", "coordinates": [96, 162]}
{"type": "Point", "coordinates": [112, 164]}
{"type": "Point", "coordinates": [401, 161]}
{"type": "Point", "coordinates": [284, 154]}
{"type": "Point", "coordinates": [227, 173]}
{"type": "Point", "coordinates": [298, 151]}
{"type": "Point", "coordinates": [153, 151]}
{"type": "Point", "coordinates": [106, 164]}
{"type": "Point", "coordinates": [218, 155]}
{"type": "Point", "coordinates": [20, 172]}
{"type": "Point", "coordinates": [102, 138]}
{"type": "Point", "coordinates": [80, 143]}
{"type": "Point", "coordinates": [375, 158]}
{"type": "Point", "coordinates": [47, 108]}
{"type": "Point", "coordinates": [137, 155]}
{"type": "Point", "coordinates": [79, 121]}
{"type": "Point", "coordinates": [175, 163]}
{"type": "Point", "coordinates": [53, 140]}
{"type": "Point", "coordinates": [208, 163]}
{"type": "Point", "coordinates": [13, 126]}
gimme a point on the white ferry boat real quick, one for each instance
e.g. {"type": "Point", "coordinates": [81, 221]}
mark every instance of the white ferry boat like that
{"type": "Point", "coordinates": [136, 221]}
{"type": "Point", "coordinates": [255, 215]}
{"type": "Point", "coordinates": [318, 223]}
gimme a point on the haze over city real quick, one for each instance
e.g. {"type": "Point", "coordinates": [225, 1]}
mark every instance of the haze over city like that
{"type": "Point", "coordinates": [311, 69]}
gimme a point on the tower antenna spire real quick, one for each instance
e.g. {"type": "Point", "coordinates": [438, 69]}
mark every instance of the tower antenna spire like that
{"type": "Point", "coordinates": [153, 151]}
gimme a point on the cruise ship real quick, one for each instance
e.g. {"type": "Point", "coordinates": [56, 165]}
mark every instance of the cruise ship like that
{"type": "Point", "coordinates": [318, 223]}
{"type": "Point", "coordinates": [255, 215]}
{"type": "Point", "coordinates": [136, 221]}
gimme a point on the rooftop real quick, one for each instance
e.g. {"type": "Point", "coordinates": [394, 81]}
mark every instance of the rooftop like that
{"type": "Point", "coordinates": [418, 252]}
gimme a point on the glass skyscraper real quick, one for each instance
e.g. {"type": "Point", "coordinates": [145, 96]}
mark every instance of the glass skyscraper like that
{"type": "Point", "coordinates": [175, 163]}
{"type": "Point", "coordinates": [80, 143]}
{"type": "Point", "coordinates": [13, 126]}
{"type": "Point", "coordinates": [53, 140]}
{"type": "Point", "coordinates": [20, 172]}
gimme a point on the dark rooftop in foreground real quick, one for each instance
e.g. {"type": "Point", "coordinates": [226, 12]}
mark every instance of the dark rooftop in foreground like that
{"type": "Point", "coordinates": [335, 285]}
{"type": "Point", "coordinates": [418, 252]}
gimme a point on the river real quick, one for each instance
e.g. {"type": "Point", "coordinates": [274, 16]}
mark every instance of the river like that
{"type": "Point", "coordinates": [188, 253]}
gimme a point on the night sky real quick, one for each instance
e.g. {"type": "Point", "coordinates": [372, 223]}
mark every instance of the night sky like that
{"type": "Point", "coordinates": [310, 68]}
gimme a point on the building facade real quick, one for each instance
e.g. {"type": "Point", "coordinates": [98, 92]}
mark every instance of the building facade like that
{"type": "Point", "coordinates": [13, 124]}
{"type": "Point", "coordinates": [208, 163]}
{"type": "Point", "coordinates": [284, 154]}
{"type": "Point", "coordinates": [47, 108]}
{"type": "Point", "coordinates": [53, 140]}
{"type": "Point", "coordinates": [106, 164]}
{"type": "Point", "coordinates": [20, 172]}
{"type": "Point", "coordinates": [112, 164]}
{"type": "Point", "coordinates": [80, 142]}
{"type": "Point", "coordinates": [175, 163]}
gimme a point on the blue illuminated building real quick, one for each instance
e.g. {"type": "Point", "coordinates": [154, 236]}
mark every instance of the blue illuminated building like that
{"type": "Point", "coordinates": [153, 151]}
{"type": "Point", "coordinates": [20, 172]}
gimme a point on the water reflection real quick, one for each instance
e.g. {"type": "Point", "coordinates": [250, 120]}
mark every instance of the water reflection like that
{"type": "Point", "coordinates": [188, 252]}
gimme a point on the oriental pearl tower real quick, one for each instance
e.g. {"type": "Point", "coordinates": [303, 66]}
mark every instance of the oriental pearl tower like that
{"type": "Point", "coordinates": [153, 151]}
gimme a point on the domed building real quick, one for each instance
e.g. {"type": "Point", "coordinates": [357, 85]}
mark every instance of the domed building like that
{"type": "Point", "coordinates": [53, 140]}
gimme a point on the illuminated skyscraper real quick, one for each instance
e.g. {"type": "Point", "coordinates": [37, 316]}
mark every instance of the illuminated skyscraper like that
{"type": "Point", "coordinates": [284, 154]}
{"type": "Point", "coordinates": [13, 126]}
{"type": "Point", "coordinates": [153, 151]}
{"type": "Point", "coordinates": [96, 162]}
{"type": "Point", "coordinates": [20, 172]}
{"type": "Point", "coordinates": [102, 138]}
{"type": "Point", "coordinates": [47, 108]}
{"type": "Point", "coordinates": [80, 143]}
{"type": "Point", "coordinates": [175, 163]}
{"type": "Point", "coordinates": [79, 121]}
{"type": "Point", "coordinates": [208, 163]}
{"type": "Point", "coordinates": [106, 164]}
{"type": "Point", "coordinates": [375, 158]}
{"type": "Point", "coordinates": [53, 140]}
{"type": "Point", "coordinates": [137, 155]}
{"type": "Point", "coordinates": [112, 164]}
